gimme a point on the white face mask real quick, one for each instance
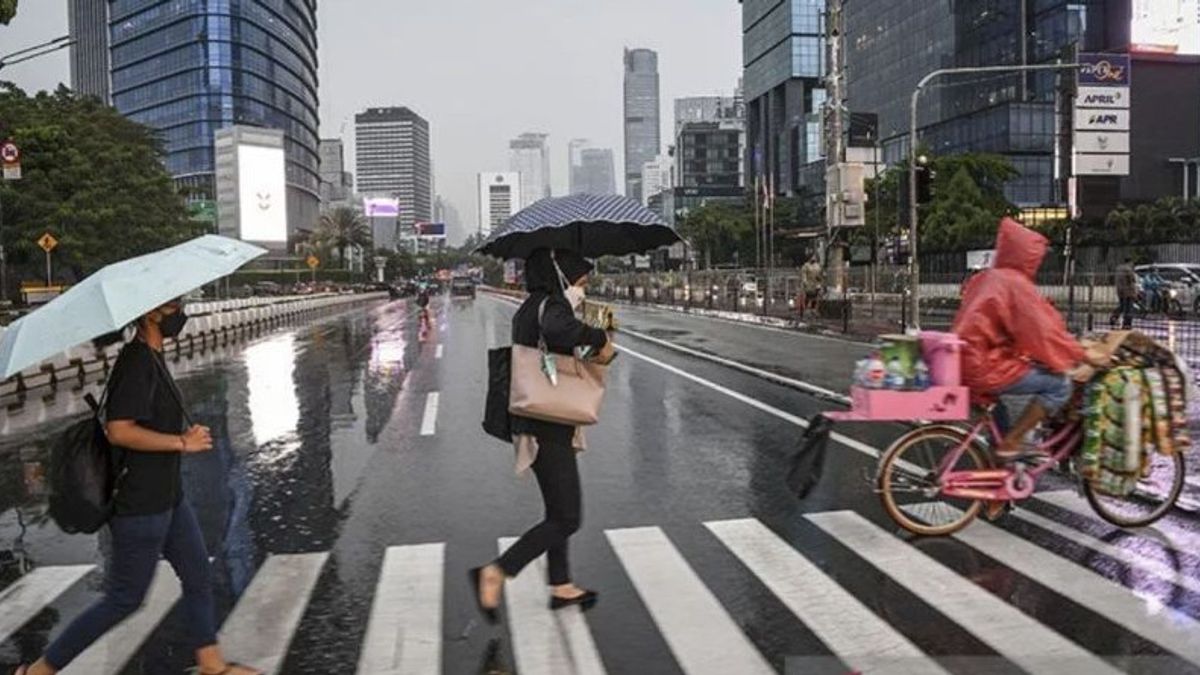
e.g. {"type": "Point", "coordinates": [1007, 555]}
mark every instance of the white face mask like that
{"type": "Point", "coordinates": [575, 295]}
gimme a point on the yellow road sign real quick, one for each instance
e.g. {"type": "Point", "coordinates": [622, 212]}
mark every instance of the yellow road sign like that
{"type": "Point", "coordinates": [313, 262]}
{"type": "Point", "coordinates": [47, 242]}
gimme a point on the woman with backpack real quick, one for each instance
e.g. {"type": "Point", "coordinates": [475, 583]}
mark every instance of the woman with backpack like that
{"type": "Point", "coordinates": [146, 425]}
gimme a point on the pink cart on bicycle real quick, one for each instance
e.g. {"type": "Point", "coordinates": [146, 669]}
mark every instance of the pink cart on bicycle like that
{"type": "Point", "coordinates": [935, 479]}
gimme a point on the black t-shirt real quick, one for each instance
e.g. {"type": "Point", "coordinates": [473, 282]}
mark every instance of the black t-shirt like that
{"type": "Point", "coordinates": [142, 392]}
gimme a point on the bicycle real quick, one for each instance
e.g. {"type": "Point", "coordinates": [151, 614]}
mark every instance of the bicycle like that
{"type": "Point", "coordinates": [959, 477]}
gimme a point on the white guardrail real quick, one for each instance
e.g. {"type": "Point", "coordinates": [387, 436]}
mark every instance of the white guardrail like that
{"type": "Point", "coordinates": [214, 323]}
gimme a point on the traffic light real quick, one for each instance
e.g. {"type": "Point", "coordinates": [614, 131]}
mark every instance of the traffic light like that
{"type": "Point", "coordinates": [924, 184]}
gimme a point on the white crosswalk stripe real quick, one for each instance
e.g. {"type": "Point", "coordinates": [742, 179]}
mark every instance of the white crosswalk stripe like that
{"type": "Point", "coordinates": [109, 654]}
{"type": "Point", "coordinates": [1172, 630]}
{"type": "Point", "coordinates": [1069, 500]}
{"type": "Point", "coordinates": [407, 620]}
{"type": "Point", "coordinates": [1022, 640]}
{"type": "Point", "coordinates": [701, 634]}
{"type": "Point", "coordinates": [546, 642]}
{"type": "Point", "coordinates": [22, 601]}
{"type": "Point", "coordinates": [404, 635]}
{"type": "Point", "coordinates": [863, 640]}
{"type": "Point", "coordinates": [262, 623]}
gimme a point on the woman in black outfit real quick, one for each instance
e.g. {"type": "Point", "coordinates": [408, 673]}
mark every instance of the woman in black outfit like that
{"type": "Point", "coordinates": [145, 422]}
{"type": "Point", "coordinates": [556, 279]}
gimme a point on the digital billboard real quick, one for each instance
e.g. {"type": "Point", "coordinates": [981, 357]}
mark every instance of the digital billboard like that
{"type": "Point", "coordinates": [380, 207]}
{"type": "Point", "coordinates": [1166, 27]}
{"type": "Point", "coordinates": [262, 194]}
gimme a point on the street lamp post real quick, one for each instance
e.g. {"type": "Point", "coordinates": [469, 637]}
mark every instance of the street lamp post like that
{"type": "Point", "coordinates": [914, 265]}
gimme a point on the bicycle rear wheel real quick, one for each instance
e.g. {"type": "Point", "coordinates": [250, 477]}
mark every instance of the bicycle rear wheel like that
{"type": "Point", "coordinates": [908, 484]}
{"type": "Point", "coordinates": [1151, 500]}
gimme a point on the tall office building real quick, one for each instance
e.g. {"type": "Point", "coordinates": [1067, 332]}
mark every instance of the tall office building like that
{"type": "Point", "coordinates": [575, 150]}
{"type": "Point", "coordinates": [529, 156]}
{"type": "Point", "coordinates": [1014, 114]}
{"type": "Point", "coordinates": [499, 198]}
{"type": "Point", "coordinates": [596, 174]}
{"type": "Point", "coordinates": [87, 22]}
{"type": "Point", "coordinates": [706, 109]}
{"type": "Point", "coordinates": [337, 184]}
{"type": "Point", "coordinates": [642, 134]}
{"type": "Point", "coordinates": [188, 69]}
{"type": "Point", "coordinates": [657, 175]}
{"type": "Point", "coordinates": [392, 160]}
{"type": "Point", "coordinates": [783, 55]}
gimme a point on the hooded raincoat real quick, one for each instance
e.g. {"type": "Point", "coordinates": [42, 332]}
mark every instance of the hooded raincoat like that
{"type": "Point", "coordinates": [1006, 323]}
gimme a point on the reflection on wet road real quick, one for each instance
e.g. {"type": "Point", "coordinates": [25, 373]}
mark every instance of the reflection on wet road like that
{"type": "Point", "coordinates": [324, 499]}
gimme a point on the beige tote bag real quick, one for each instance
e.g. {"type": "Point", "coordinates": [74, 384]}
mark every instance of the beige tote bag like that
{"type": "Point", "coordinates": [576, 398]}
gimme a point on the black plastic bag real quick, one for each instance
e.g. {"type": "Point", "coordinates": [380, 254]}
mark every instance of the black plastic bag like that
{"type": "Point", "coordinates": [809, 461]}
{"type": "Point", "coordinates": [496, 420]}
{"type": "Point", "coordinates": [83, 476]}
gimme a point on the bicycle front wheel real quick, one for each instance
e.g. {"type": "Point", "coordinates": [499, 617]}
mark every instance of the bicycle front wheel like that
{"type": "Point", "coordinates": [1153, 498]}
{"type": "Point", "coordinates": [908, 481]}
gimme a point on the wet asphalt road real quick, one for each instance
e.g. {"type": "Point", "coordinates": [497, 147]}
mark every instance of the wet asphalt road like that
{"type": "Point", "coordinates": [324, 445]}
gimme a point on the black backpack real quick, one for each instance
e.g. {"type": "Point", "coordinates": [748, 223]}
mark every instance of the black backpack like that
{"type": "Point", "coordinates": [84, 474]}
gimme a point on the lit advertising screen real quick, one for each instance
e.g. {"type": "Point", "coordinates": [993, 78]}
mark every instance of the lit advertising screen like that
{"type": "Point", "coordinates": [1166, 27]}
{"type": "Point", "coordinates": [262, 194]}
{"type": "Point", "coordinates": [381, 207]}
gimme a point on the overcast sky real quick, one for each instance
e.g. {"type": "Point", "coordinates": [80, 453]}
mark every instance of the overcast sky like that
{"type": "Point", "coordinates": [482, 71]}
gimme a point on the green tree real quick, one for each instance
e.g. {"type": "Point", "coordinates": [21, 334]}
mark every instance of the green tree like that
{"type": "Point", "coordinates": [959, 218]}
{"type": "Point", "coordinates": [91, 177]}
{"type": "Point", "coordinates": [721, 232]}
{"type": "Point", "coordinates": [342, 229]}
{"type": "Point", "coordinates": [8, 9]}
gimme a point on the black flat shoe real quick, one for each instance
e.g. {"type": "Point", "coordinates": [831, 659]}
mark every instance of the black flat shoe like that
{"type": "Point", "coordinates": [490, 613]}
{"type": "Point", "coordinates": [586, 600]}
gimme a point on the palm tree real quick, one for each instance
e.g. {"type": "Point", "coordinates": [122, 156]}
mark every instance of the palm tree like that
{"type": "Point", "coordinates": [343, 228]}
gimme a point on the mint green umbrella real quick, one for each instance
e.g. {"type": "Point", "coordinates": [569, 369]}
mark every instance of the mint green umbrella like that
{"type": "Point", "coordinates": [113, 297]}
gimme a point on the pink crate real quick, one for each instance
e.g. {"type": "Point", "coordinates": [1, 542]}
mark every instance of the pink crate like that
{"type": "Point", "coordinates": [882, 405]}
{"type": "Point", "coordinates": [943, 354]}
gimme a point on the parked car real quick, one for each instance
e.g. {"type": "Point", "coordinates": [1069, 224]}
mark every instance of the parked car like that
{"type": "Point", "coordinates": [462, 287]}
{"type": "Point", "coordinates": [268, 288]}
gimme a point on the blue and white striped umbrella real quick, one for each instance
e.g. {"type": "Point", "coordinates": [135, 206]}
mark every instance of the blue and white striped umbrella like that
{"type": "Point", "coordinates": [591, 225]}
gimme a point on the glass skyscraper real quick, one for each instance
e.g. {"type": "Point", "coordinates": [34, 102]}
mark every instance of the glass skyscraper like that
{"type": "Point", "coordinates": [783, 56]}
{"type": "Point", "coordinates": [643, 139]}
{"type": "Point", "coordinates": [190, 67]}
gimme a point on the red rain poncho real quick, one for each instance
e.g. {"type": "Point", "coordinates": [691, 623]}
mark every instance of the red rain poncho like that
{"type": "Point", "coordinates": [1006, 323]}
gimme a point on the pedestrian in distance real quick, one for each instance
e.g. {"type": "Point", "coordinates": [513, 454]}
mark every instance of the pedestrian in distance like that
{"type": "Point", "coordinates": [1126, 282]}
{"type": "Point", "coordinates": [812, 281]}
{"type": "Point", "coordinates": [146, 424]}
{"type": "Point", "coordinates": [555, 281]}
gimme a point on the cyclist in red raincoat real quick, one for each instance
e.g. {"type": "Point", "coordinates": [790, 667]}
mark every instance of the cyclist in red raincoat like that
{"type": "Point", "coordinates": [1017, 344]}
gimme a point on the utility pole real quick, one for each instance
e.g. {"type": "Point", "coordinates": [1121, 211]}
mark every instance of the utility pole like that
{"type": "Point", "coordinates": [835, 144]}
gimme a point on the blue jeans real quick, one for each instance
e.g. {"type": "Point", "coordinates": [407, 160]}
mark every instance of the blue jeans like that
{"type": "Point", "coordinates": [1051, 391]}
{"type": "Point", "coordinates": [137, 542]}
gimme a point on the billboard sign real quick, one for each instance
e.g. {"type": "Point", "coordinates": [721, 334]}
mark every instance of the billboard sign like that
{"type": "Point", "coordinates": [1165, 27]}
{"type": "Point", "coordinates": [1102, 141]}
{"type": "Point", "coordinates": [1103, 97]}
{"type": "Point", "coordinates": [381, 207]}
{"type": "Point", "coordinates": [1104, 70]}
{"type": "Point", "coordinates": [262, 194]}
{"type": "Point", "coordinates": [431, 230]}
{"type": "Point", "coordinates": [1101, 165]}
{"type": "Point", "coordinates": [1101, 120]}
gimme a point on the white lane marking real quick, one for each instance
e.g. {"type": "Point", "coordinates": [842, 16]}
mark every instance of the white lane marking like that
{"type": "Point", "coordinates": [404, 634]}
{"type": "Point", "coordinates": [429, 421]}
{"type": "Point", "coordinates": [703, 313]}
{"type": "Point", "coordinates": [261, 625]}
{"type": "Point", "coordinates": [109, 654]}
{"type": "Point", "coordinates": [1013, 635]}
{"type": "Point", "coordinates": [546, 642]}
{"type": "Point", "coordinates": [1070, 500]}
{"type": "Point", "coordinates": [30, 594]}
{"type": "Point", "coordinates": [1137, 561]}
{"type": "Point", "coordinates": [854, 633]}
{"type": "Point", "coordinates": [865, 449]}
{"type": "Point", "coordinates": [1167, 627]}
{"type": "Point", "coordinates": [441, 349]}
{"type": "Point", "coordinates": [750, 370]}
{"type": "Point", "coordinates": [701, 634]}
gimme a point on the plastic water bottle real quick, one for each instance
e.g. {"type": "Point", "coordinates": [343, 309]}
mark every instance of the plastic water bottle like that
{"type": "Point", "coordinates": [921, 378]}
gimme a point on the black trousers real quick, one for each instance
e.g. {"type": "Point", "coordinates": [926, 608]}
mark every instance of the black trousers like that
{"type": "Point", "coordinates": [558, 477]}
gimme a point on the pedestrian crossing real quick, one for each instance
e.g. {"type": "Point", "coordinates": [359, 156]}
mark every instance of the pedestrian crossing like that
{"type": "Point", "coordinates": [407, 617]}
